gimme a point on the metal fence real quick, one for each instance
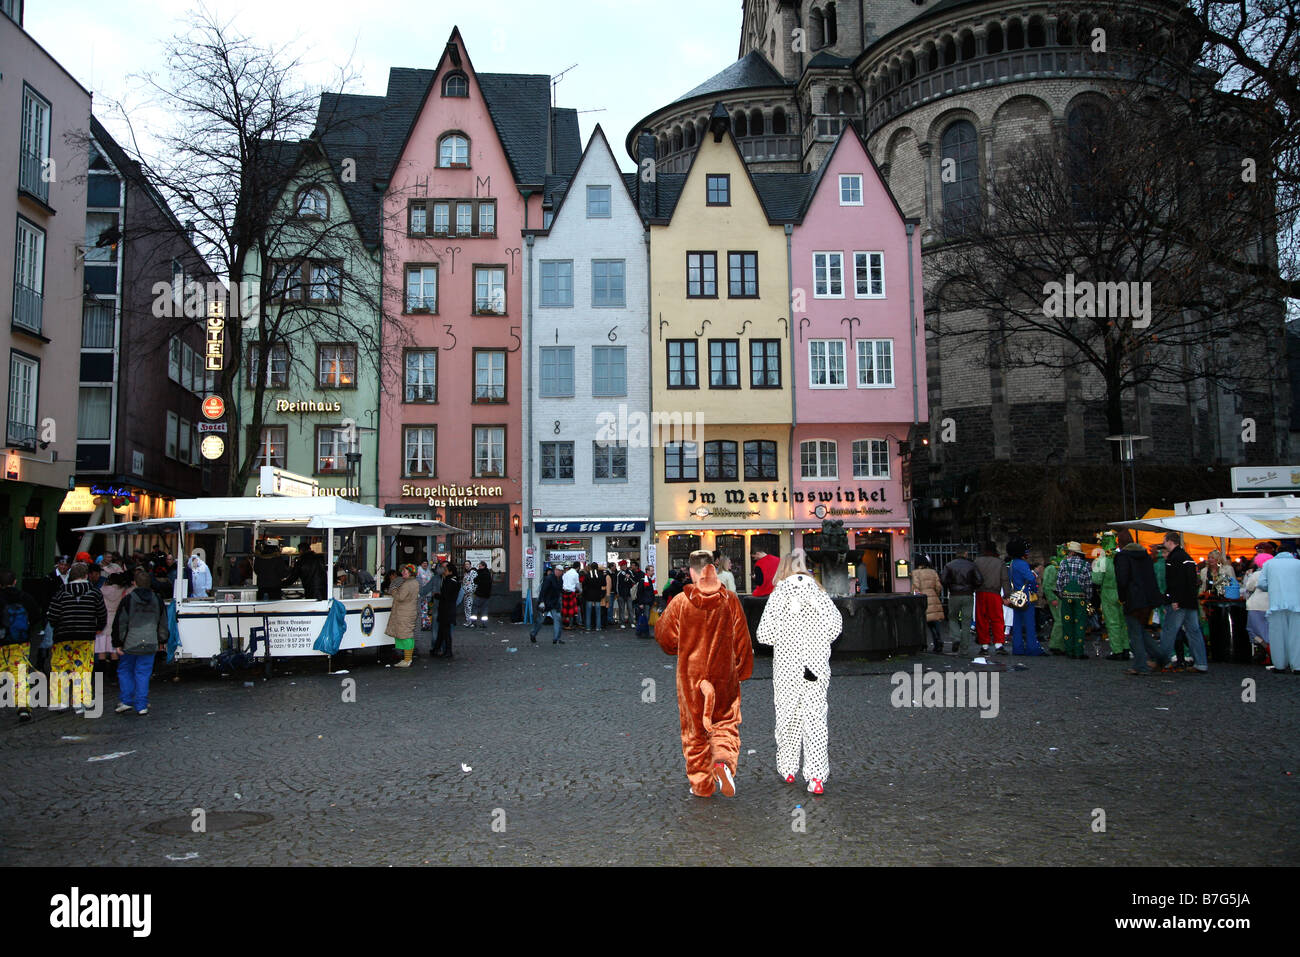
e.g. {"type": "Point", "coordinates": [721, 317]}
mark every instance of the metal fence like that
{"type": "Point", "coordinates": [941, 553]}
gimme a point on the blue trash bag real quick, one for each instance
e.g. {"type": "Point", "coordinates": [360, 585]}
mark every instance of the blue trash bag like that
{"type": "Point", "coordinates": [331, 634]}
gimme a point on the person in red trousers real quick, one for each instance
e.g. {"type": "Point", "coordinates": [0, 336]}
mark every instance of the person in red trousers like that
{"type": "Point", "coordinates": [990, 595]}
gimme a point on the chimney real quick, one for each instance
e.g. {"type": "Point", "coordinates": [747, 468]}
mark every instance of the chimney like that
{"type": "Point", "coordinates": [646, 188]}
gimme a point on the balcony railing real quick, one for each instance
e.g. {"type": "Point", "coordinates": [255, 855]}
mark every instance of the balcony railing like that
{"type": "Point", "coordinates": [21, 435]}
{"type": "Point", "coordinates": [28, 307]}
{"type": "Point", "coordinates": [775, 147]}
{"type": "Point", "coordinates": [1010, 67]}
{"type": "Point", "coordinates": [30, 168]}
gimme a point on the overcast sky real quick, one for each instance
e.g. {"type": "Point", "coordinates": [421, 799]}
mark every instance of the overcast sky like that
{"type": "Point", "coordinates": [632, 55]}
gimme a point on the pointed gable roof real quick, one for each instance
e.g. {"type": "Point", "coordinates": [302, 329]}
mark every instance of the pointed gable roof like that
{"type": "Point", "coordinates": [749, 72]}
{"type": "Point", "coordinates": [597, 138]}
{"type": "Point", "coordinates": [816, 178]}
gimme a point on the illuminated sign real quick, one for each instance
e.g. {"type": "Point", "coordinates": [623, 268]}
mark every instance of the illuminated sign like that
{"type": "Point", "coordinates": [211, 427]}
{"type": "Point", "coordinates": [453, 496]}
{"type": "Point", "coordinates": [276, 481]}
{"type": "Point", "coordinates": [11, 465]}
{"type": "Point", "coordinates": [214, 355]}
{"type": "Point", "coordinates": [212, 447]}
{"type": "Point", "coordinates": [284, 405]}
{"type": "Point", "coordinates": [214, 407]}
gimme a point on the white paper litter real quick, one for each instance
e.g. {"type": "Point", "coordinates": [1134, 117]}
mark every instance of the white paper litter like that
{"type": "Point", "coordinates": [110, 757]}
{"type": "Point", "coordinates": [1162, 709]}
{"type": "Point", "coordinates": [342, 672]}
{"type": "Point", "coordinates": [73, 737]}
{"type": "Point", "coordinates": [465, 767]}
{"type": "Point", "coordinates": [192, 855]}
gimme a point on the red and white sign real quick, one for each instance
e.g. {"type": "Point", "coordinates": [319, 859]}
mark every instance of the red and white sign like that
{"type": "Point", "coordinates": [214, 407]}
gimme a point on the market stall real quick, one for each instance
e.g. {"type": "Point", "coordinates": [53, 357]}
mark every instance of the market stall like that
{"type": "Point", "coordinates": [235, 619]}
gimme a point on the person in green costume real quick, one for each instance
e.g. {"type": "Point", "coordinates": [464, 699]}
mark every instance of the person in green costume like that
{"type": "Point", "coordinates": [1073, 585]}
{"type": "Point", "coordinates": [1057, 642]}
{"type": "Point", "coordinates": [1112, 612]}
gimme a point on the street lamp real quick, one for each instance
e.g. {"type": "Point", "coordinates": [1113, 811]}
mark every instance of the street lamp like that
{"type": "Point", "coordinates": [1127, 475]}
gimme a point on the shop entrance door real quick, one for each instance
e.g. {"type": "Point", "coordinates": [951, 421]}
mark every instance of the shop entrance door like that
{"type": "Point", "coordinates": [679, 551]}
{"type": "Point", "coordinates": [878, 557]}
{"type": "Point", "coordinates": [733, 546]}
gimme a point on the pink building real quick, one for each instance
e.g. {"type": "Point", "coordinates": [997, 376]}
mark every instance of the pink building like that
{"type": "Point", "coordinates": [471, 169]}
{"type": "Point", "coordinates": [859, 359]}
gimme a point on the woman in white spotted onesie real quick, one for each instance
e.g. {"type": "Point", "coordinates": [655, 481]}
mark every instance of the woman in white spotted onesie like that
{"type": "Point", "coordinates": [800, 621]}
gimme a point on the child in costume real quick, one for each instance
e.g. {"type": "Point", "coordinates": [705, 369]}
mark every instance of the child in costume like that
{"type": "Point", "coordinates": [800, 621]}
{"type": "Point", "coordinates": [705, 628]}
{"type": "Point", "coordinates": [1057, 641]}
{"type": "Point", "coordinates": [1112, 613]}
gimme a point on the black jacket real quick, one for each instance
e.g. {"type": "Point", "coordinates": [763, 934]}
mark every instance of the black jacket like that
{"type": "Point", "coordinates": [550, 595]}
{"type": "Point", "coordinates": [1182, 582]}
{"type": "Point", "coordinates": [1135, 578]}
{"type": "Point", "coordinates": [623, 584]}
{"type": "Point", "coordinates": [593, 586]}
{"type": "Point", "coordinates": [447, 597]}
{"type": "Point", "coordinates": [961, 577]}
{"type": "Point", "coordinates": [78, 612]}
{"type": "Point", "coordinates": [270, 571]}
{"type": "Point", "coordinates": [310, 570]}
{"type": "Point", "coordinates": [483, 583]}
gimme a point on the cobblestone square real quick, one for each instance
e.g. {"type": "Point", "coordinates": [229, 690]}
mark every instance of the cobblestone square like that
{"type": "Point", "coordinates": [569, 765]}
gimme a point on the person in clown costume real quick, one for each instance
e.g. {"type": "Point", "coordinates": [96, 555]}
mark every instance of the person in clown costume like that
{"type": "Point", "coordinates": [1056, 644]}
{"type": "Point", "coordinates": [1112, 613]}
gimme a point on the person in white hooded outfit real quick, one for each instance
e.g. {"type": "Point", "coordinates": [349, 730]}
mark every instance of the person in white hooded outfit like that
{"type": "Point", "coordinates": [200, 575]}
{"type": "Point", "coordinates": [800, 622]}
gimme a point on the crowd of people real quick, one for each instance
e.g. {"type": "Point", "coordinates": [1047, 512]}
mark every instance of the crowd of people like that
{"type": "Point", "coordinates": [1150, 606]}
{"type": "Point", "coordinates": [99, 616]}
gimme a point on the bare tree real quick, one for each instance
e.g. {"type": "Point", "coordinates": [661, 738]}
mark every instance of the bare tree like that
{"type": "Point", "coordinates": [249, 165]}
{"type": "Point", "coordinates": [1112, 251]}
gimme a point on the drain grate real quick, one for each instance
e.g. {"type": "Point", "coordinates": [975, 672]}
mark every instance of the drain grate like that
{"type": "Point", "coordinates": [216, 821]}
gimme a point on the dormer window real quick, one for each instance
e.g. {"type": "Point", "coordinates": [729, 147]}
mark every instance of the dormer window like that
{"type": "Point", "coordinates": [455, 84]}
{"type": "Point", "coordinates": [453, 150]}
{"type": "Point", "coordinates": [313, 203]}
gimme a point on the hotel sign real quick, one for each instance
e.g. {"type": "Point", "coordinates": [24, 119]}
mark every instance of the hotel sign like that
{"type": "Point", "coordinates": [215, 352]}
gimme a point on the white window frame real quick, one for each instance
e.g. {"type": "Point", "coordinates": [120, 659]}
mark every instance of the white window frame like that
{"type": "Point", "coordinates": [464, 219]}
{"type": "Point", "coordinates": [103, 392]}
{"type": "Point", "coordinates": [843, 355]}
{"type": "Point", "coordinates": [824, 268]}
{"type": "Point", "coordinates": [846, 179]}
{"type": "Point", "coordinates": [29, 257]}
{"type": "Point", "coordinates": [490, 397]}
{"type": "Point", "coordinates": [872, 449]}
{"type": "Point", "coordinates": [185, 444]}
{"type": "Point", "coordinates": [452, 161]}
{"type": "Point", "coordinates": [858, 349]}
{"type": "Point", "coordinates": [339, 447]}
{"type": "Point", "coordinates": [880, 257]}
{"type": "Point", "coordinates": [421, 383]}
{"type": "Point", "coordinates": [441, 218]}
{"type": "Point", "coordinates": [420, 273]}
{"type": "Point", "coordinates": [266, 446]}
{"type": "Point", "coordinates": [484, 440]}
{"type": "Point", "coordinates": [489, 274]}
{"type": "Point", "coordinates": [169, 444]}
{"type": "Point", "coordinates": [30, 399]}
{"type": "Point", "coordinates": [334, 361]}
{"type": "Point", "coordinates": [417, 432]}
{"type": "Point", "coordinates": [822, 448]}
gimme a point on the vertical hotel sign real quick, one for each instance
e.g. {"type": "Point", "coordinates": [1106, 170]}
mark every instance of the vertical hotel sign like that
{"type": "Point", "coordinates": [215, 353]}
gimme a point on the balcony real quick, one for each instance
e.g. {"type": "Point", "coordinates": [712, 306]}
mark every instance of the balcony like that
{"type": "Point", "coordinates": [770, 148]}
{"type": "Point", "coordinates": [30, 178]}
{"type": "Point", "coordinates": [21, 435]}
{"type": "Point", "coordinates": [1011, 67]}
{"type": "Point", "coordinates": [28, 307]}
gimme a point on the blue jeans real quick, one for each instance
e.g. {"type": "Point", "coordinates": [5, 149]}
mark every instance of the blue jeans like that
{"type": "Point", "coordinates": [1186, 619]}
{"type": "Point", "coordinates": [556, 622]}
{"type": "Point", "coordinates": [133, 672]}
{"type": "Point", "coordinates": [593, 609]}
{"type": "Point", "coordinates": [1140, 644]}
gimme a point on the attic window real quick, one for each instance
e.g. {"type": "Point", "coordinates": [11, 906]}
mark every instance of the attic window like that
{"type": "Point", "coordinates": [313, 203]}
{"type": "Point", "coordinates": [455, 84]}
{"type": "Point", "coordinates": [453, 150]}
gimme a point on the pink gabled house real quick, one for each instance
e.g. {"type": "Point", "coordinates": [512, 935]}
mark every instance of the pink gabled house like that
{"type": "Point", "coordinates": [473, 157]}
{"type": "Point", "coordinates": [859, 358]}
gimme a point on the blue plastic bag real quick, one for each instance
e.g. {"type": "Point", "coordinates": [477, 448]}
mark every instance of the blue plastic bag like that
{"type": "Point", "coordinates": [331, 633]}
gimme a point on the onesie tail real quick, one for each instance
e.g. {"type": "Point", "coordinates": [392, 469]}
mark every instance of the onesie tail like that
{"type": "Point", "coordinates": [706, 713]}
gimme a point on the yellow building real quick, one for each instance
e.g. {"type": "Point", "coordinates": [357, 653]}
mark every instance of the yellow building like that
{"type": "Point", "coordinates": [720, 357]}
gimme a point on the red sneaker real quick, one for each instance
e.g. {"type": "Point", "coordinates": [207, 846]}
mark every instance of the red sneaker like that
{"type": "Point", "coordinates": [815, 785]}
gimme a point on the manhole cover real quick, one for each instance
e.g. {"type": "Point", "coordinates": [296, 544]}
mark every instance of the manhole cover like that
{"type": "Point", "coordinates": [213, 822]}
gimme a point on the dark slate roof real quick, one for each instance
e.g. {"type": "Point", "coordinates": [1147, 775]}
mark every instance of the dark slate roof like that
{"type": "Point", "coordinates": [406, 89]}
{"type": "Point", "coordinates": [520, 106]}
{"type": "Point", "coordinates": [784, 195]}
{"type": "Point", "coordinates": [750, 71]}
{"type": "Point", "coordinates": [668, 190]}
{"type": "Point", "coordinates": [566, 141]}
{"type": "Point", "coordinates": [826, 60]}
{"type": "Point", "coordinates": [553, 190]}
{"type": "Point", "coordinates": [350, 126]}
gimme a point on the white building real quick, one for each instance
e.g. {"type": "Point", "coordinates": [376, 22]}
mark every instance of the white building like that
{"type": "Point", "coordinates": [586, 337]}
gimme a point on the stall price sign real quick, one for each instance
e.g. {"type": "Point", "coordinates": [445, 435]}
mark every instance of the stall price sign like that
{"type": "Point", "coordinates": [530, 562]}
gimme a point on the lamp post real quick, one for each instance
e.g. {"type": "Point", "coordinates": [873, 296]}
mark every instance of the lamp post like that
{"type": "Point", "coordinates": [1127, 475]}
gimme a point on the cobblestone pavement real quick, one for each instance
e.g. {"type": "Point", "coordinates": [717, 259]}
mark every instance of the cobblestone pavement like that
{"type": "Point", "coordinates": [578, 769]}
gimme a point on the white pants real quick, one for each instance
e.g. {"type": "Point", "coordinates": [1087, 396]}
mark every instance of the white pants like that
{"type": "Point", "coordinates": [800, 720]}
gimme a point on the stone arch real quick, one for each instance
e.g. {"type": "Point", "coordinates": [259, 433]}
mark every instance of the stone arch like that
{"type": "Point", "coordinates": [1036, 34]}
{"type": "Point", "coordinates": [816, 29]}
{"type": "Point", "coordinates": [929, 59]}
{"type": "Point", "coordinates": [677, 138]}
{"type": "Point", "coordinates": [688, 136]}
{"type": "Point", "coordinates": [1016, 118]}
{"type": "Point", "coordinates": [1015, 34]}
{"type": "Point", "coordinates": [832, 100]}
{"type": "Point", "coordinates": [909, 66]}
{"type": "Point", "coordinates": [966, 45]}
{"type": "Point", "coordinates": [1065, 31]}
{"type": "Point", "coordinates": [740, 124]}
{"type": "Point", "coordinates": [947, 51]}
{"type": "Point", "coordinates": [832, 26]}
{"type": "Point", "coordinates": [701, 127]}
{"type": "Point", "coordinates": [779, 126]}
{"type": "Point", "coordinates": [906, 171]}
{"type": "Point", "coordinates": [848, 100]}
{"type": "Point", "coordinates": [757, 127]}
{"type": "Point", "coordinates": [995, 42]}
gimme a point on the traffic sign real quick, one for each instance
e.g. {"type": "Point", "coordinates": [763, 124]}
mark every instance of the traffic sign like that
{"type": "Point", "coordinates": [212, 447]}
{"type": "Point", "coordinates": [214, 407]}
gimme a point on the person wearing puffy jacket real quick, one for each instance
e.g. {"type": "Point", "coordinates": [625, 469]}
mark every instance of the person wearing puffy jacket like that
{"type": "Point", "coordinates": [800, 621]}
{"type": "Point", "coordinates": [925, 581]}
